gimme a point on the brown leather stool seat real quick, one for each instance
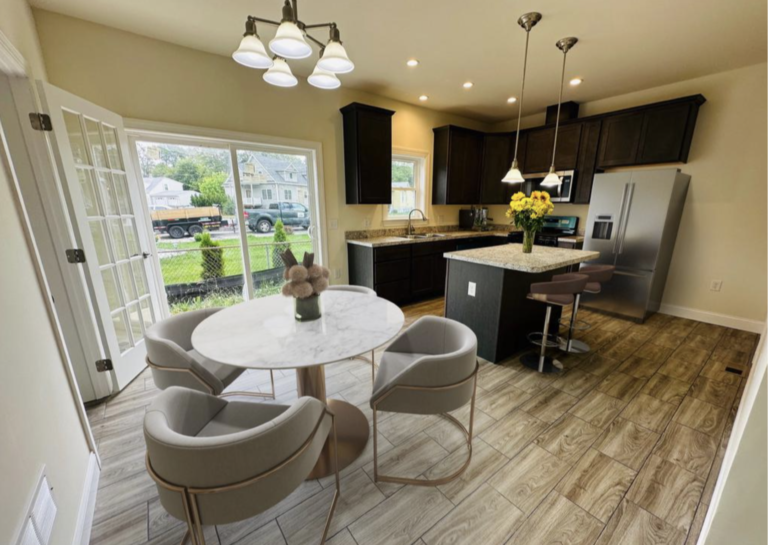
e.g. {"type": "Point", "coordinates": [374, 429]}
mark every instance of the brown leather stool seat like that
{"type": "Point", "coordinates": [561, 291]}
{"type": "Point", "coordinates": [597, 275]}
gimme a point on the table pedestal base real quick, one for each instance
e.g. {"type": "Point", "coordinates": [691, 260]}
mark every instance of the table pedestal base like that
{"type": "Point", "coordinates": [352, 428]}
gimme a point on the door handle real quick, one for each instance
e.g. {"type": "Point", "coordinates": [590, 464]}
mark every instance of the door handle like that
{"type": "Point", "coordinates": [145, 255]}
{"type": "Point", "coordinates": [626, 220]}
{"type": "Point", "coordinates": [621, 218]}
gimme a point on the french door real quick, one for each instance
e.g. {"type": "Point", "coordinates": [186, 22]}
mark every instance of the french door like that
{"type": "Point", "coordinates": [90, 149]}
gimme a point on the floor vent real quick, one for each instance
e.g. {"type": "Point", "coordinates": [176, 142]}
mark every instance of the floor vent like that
{"type": "Point", "coordinates": [39, 523]}
{"type": "Point", "coordinates": [734, 370]}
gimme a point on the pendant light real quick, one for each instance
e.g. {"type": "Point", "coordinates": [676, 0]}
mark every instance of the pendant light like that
{"type": "Point", "coordinates": [323, 79]}
{"type": "Point", "coordinates": [334, 57]}
{"type": "Point", "coordinates": [527, 21]}
{"type": "Point", "coordinates": [280, 74]}
{"type": "Point", "coordinates": [289, 41]}
{"type": "Point", "coordinates": [251, 52]}
{"type": "Point", "coordinates": [552, 179]}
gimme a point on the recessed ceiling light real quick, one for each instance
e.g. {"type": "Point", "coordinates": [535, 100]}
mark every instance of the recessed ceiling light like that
{"type": "Point", "coordinates": [576, 81]}
{"type": "Point", "coordinates": [423, 98]}
{"type": "Point", "coordinates": [512, 100]}
{"type": "Point", "coordinates": [412, 62]}
{"type": "Point", "coordinates": [468, 84]}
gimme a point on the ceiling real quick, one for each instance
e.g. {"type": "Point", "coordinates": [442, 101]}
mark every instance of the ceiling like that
{"type": "Point", "coordinates": [624, 45]}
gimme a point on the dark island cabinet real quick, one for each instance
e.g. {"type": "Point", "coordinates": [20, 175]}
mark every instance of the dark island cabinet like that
{"type": "Point", "coordinates": [367, 154]}
{"type": "Point", "coordinates": [538, 155]}
{"type": "Point", "coordinates": [457, 166]}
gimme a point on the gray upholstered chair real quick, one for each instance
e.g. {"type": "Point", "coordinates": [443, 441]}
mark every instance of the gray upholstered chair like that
{"type": "Point", "coordinates": [365, 291]}
{"type": "Point", "coordinates": [430, 368]}
{"type": "Point", "coordinates": [217, 461]}
{"type": "Point", "coordinates": [175, 363]}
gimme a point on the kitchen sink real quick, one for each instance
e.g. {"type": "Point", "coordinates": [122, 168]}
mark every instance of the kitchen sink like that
{"type": "Point", "coordinates": [427, 235]}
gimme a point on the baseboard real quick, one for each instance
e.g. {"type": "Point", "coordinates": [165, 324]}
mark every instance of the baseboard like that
{"type": "Point", "coordinates": [753, 326]}
{"type": "Point", "coordinates": [87, 503]}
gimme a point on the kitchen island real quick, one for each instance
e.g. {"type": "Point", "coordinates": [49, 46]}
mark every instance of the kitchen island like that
{"type": "Point", "coordinates": [487, 289]}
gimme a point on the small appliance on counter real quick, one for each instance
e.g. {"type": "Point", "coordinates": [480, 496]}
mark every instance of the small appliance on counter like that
{"type": "Point", "coordinates": [474, 218]}
{"type": "Point", "coordinates": [467, 218]}
{"type": "Point", "coordinates": [561, 193]}
{"type": "Point", "coordinates": [554, 228]}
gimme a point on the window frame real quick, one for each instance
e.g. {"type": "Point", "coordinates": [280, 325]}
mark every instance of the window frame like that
{"type": "Point", "coordinates": [421, 162]}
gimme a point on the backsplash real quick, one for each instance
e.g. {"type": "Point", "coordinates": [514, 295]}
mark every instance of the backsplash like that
{"type": "Point", "coordinates": [400, 231]}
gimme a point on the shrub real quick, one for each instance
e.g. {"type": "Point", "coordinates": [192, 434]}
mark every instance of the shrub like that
{"type": "Point", "coordinates": [198, 237]}
{"type": "Point", "coordinates": [213, 257]}
{"type": "Point", "coordinates": [280, 238]}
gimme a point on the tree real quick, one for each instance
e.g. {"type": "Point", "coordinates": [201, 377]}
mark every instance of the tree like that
{"type": "Point", "coordinates": [212, 193]}
{"type": "Point", "coordinates": [161, 170]}
{"type": "Point", "coordinates": [213, 257]}
{"type": "Point", "coordinates": [402, 172]}
{"type": "Point", "coordinates": [189, 172]}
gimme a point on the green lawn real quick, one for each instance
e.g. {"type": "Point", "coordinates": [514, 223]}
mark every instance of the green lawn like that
{"type": "Point", "coordinates": [185, 267]}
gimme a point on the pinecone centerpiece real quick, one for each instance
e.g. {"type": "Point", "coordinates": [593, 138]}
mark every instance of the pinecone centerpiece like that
{"type": "Point", "coordinates": [305, 281]}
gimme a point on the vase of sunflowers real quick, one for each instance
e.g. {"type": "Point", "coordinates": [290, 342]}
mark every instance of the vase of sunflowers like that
{"type": "Point", "coordinates": [528, 213]}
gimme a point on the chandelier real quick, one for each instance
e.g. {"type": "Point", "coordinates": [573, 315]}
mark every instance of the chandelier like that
{"type": "Point", "coordinates": [290, 42]}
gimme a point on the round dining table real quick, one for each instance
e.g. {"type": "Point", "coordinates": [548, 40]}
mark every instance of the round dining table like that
{"type": "Point", "coordinates": [264, 334]}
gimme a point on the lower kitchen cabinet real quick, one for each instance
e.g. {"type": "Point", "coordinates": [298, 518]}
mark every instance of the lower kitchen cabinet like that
{"type": "Point", "coordinates": [408, 273]}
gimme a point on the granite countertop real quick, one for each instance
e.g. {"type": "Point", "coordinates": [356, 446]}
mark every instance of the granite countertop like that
{"type": "Point", "coordinates": [377, 242]}
{"type": "Point", "coordinates": [511, 256]}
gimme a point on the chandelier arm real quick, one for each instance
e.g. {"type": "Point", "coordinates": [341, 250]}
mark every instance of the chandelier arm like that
{"type": "Point", "coordinates": [260, 20]}
{"type": "Point", "coordinates": [320, 44]}
{"type": "Point", "coordinates": [320, 25]}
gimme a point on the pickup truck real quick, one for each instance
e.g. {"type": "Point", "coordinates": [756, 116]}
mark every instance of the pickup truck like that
{"type": "Point", "coordinates": [261, 220]}
{"type": "Point", "coordinates": [178, 222]}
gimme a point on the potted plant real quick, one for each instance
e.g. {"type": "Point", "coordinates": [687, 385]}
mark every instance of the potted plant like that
{"type": "Point", "coordinates": [528, 214]}
{"type": "Point", "coordinates": [305, 282]}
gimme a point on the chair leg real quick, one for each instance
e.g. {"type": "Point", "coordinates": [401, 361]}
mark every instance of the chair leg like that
{"type": "Point", "coordinates": [197, 524]}
{"type": "Point", "coordinates": [265, 395]}
{"type": "Point", "coordinates": [373, 368]}
{"type": "Point", "coordinates": [336, 494]}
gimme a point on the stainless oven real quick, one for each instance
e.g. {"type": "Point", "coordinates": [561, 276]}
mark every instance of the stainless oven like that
{"type": "Point", "coordinates": [558, 194]}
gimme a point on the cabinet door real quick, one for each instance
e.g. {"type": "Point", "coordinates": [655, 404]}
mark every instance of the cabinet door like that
{"type": "Point", "coordinates": [422, 275]}
{"type": "Point", "coordinates": [587, 163]}
{"type": "Point", "coordinates": [375, 158]}
{"type": "Point", "coordinates": [663, 134]}
{"type": "Point", "coordinates": [620, 140]}
{"type": "Point", "coordinates": [464, 167]}
{"type": "Point", "coordinates": [538, 156]}
{"type": "Point", "coordinates": [497, 158]}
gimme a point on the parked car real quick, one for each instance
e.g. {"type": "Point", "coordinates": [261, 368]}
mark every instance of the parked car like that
{"type": "Point", "coordinates": [179, 222]}
{"type": "Point", "coordinates": [261, 220]}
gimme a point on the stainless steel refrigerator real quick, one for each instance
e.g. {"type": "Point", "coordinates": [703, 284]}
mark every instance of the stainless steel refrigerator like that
{"type": "Point", "coordinates": [633, 221]}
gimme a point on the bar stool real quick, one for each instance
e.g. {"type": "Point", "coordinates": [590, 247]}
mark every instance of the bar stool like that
{"type": "Point", "coordinates": [598, 275]}
{"type": "Point", "coordinates": [560, 291]}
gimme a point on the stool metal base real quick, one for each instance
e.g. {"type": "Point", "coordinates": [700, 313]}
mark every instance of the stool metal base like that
{"type": "Point", "coordinates": [577, 347]}
{"type": "Point", "coordinates": [550, 365]}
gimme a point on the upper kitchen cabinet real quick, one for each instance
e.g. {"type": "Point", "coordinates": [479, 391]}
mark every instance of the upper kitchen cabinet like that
{"type": "Point", "coordinates": [657, 133]}
{"type": "Point", "coordinates": [586, 166]}
{"type": "Point", "coordinates": [458, 163]}
{"type": "Point", "coordinates": [538, 155]}
{"type": "Point", "coordinates": [367, 154]}
{"type": "Point", "coordinates": [498, 152]}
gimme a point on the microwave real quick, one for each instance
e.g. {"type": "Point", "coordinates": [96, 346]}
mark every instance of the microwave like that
{"type": "Point", "coordinates": [558, 194]}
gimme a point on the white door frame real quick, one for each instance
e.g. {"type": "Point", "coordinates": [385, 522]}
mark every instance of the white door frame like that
{"type": "Point", "coordinates": [26, 167]}
{"type": "Point", "coordinates": [182, 134]}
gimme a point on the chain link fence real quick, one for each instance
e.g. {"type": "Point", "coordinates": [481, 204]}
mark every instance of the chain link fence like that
{"type": "Point", "coordinates": [196, 277]}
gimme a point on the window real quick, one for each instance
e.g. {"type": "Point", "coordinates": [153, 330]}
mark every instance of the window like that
{"type": "Point", "coordinates": [408, 184]}
{"type": "Point", "coordinates": [266, 194]}
{"type": "Point", "coordinates": [288, 194]}
{"type": "Point", "coordinates": [248, 193]}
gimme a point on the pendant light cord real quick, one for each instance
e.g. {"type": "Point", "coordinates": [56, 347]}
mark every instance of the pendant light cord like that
{"type": "Point", "coordinates": [559, 103]}
{"type": "Point", "coordinates": [522, 92]}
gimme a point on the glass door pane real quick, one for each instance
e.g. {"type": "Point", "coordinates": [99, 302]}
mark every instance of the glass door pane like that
{"type": "Point", "coordinates": [188, 190]}
{"type": "Point", "coordinates": [276, 197]}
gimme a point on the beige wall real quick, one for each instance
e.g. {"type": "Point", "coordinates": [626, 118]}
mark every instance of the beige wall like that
{"type": "Point", "coordinates": [147, 79]}
{"type": "Point", "coordinates": [723, 230]}
{"type": "Point", "coordinates": [18, 25]}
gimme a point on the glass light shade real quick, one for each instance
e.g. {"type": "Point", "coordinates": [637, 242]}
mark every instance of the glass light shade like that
{"type": "Point", "coordinates": [252, 53]}
{"type": "Point", "coordinates": [335, 59]}
{"type": "Point", "coordinates": [280, 74]}
{"type": "Point", "coordinates": [289, 42]}
{"type": "Point", "coordinates": [323, 79]}
{"type": "Point", "coordinates": [513, 176]}
{"type": "Point", "coordinates": [552, 179]}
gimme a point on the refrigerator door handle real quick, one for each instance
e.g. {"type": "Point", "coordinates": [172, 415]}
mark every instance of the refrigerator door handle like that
{"type": "Point", "coordinates": [621, 218]}
{"type": "Point", "coordinates": [626, 220]}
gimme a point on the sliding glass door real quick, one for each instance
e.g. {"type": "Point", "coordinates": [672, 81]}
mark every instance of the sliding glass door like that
{"type": "Point", "coordinates": [219, 231]}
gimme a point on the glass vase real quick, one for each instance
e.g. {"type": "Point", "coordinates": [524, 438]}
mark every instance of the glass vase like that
{"type": "Point", "coordinates": [528, 236]}
{"type": "Point", "coordinates": [307, 309]}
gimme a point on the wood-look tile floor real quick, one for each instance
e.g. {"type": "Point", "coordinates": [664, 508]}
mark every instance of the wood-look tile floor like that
{"type": "Point", "coordinates": [622, 447]}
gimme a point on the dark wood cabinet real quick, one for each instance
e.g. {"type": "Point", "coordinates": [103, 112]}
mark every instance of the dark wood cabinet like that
{"type": "Point", "coordinates": [620, 140]}
{"type": "Point", "coordinates": [498, 152]}
{"type": "Point", "coordinates": [538, 155]}
{"type": "Point", "coordinates": [586, 166]}
{"type": "Point", "coordinates": [457, 166]}
{"type": "Point", "coordinates": [367, 154]}
{"type": "Point", "coordinates": [666, 134]}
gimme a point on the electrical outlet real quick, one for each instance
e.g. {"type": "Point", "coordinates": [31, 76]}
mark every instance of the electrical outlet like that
{"type": "Point", "coordinates": [336, 274]}
{"type": "Point", "coordinates": [333, 224]}
{"type": "Point", "coordinates": [367, 222]}
{"type": "Point", "coordinates": [472, 289]}
{"type": "Point", "coordinates": [440, 219]}
{"type": "Point", "coordinates": [716, 285]}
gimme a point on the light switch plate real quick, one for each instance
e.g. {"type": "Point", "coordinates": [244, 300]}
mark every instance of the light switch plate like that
{"type": "Point", "coordinates": [333, 224]}
{"type": "Point", "coordinates": [716, 285]}
{"type": "Point", "coordinates": [367, 222]}
{"type": "Point", "coordinates": [472, 288]}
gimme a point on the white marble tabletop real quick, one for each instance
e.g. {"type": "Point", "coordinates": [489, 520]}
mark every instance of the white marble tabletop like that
{"type": "Point", "coordinates": [263, 333]}
{"type": "Point", "coordinates": [511, 256]}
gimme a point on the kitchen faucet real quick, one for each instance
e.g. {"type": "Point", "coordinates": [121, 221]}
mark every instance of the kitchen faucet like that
{"type": "Point", "coordinates": [410, 227]}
